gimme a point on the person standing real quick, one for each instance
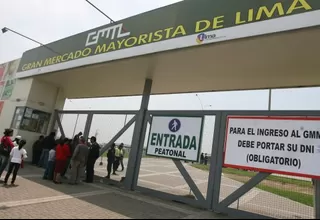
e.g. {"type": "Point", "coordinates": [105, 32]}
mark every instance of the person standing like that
{"type": "Point", "coordinates": [16, 141]}
{"type": "Point", "coordinates": [94, 153]}
{"type": "Point", "coordinates": [76, 140]}
{"type": "Point", "coordinates": [36, 150]}
{"type": "Point", "coordinates": [116, 161]}
{"type": "Point", "coordinates": [111, 158]}
{"type": "Point", "coordinates": [69, 143]}
{"type": "Point", "coordinates": [5, 149]}
{"type": "Point", "coordinates": [49, 172]}
{"type": "Point", "coordinates": [17, 155]}
{"type": "Point", "coordinates": [121, 153]}
{"type": "Point", "coordinates": [48, 143]}
{"type": "Point", "coordinates": [206, 159]}
{"type": "Point", "coordinates": [78, 161]}
{"type": "Point", "coordinates": [62, 154]}
{"type": "Point", "coordinates": [202, 158]}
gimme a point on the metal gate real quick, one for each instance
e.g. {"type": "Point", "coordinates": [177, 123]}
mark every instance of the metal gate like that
{"type": "Point", "coordinates": [267, 209]}
{"type": "Point", "coordinates": [241, 202]}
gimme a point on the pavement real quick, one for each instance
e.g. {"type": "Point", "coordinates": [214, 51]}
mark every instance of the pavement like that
{"type": "Point", "coordinates": [36, 198]}
{"type": "Point", "coordinates": [162, 175]}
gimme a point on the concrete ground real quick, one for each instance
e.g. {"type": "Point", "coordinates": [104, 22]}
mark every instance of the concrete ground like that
{"type": "Point", "coordinates": [162, 175]}
{"type": "Point", "coordinates": [36, 198]}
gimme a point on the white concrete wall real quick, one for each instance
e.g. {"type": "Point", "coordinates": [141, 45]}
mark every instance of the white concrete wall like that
{"type": "Point", "coordinates": [44, 97]}
{"type": "Point", "coordinates": [32, 93]}
{"type": "Point", "coordinates": [18, 98]}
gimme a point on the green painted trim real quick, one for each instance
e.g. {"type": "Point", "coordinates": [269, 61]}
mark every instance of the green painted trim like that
{"type": "Point", "coordinates": [185, 13]}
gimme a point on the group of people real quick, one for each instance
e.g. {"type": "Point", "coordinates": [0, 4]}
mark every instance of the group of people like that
{"type": "Point", "coordinates": [12, 153]}
{"type": "Point", "coordinates": [204, 159]}
{"type": "Point", "coordinates": [57, 156]}
{"type": "Point", "coordinates": [115, 157]}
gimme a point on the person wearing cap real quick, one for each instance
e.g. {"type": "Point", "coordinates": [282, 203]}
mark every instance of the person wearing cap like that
{"type": "Point", "coordinates": [94, 153]}
{"type": "Point", "coordinates": [5, 149]}
{"type": "Point", "coordinates": [78, 161]}
{"type": "Point", "coordinates": [16, 140]}
{"type": "Point", "coordinates": [36, 150]}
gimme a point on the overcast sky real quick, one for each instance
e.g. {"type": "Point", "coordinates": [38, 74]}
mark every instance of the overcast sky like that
{"type": "Point", "coordinates": [50, 20]}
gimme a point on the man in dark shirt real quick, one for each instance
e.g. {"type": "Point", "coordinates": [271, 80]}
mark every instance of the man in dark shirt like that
{"type": "Point", "coordinates": [48, 143]}
{"type": "Point", "coordinates": [202, 158]}
{"type": "Point", "coordinates": [206, 159]}
{"type": "Point", "coordinates": [111, 158]}
{"type": "Point", "coordinates": [94, 153]}
{"type": "Point", "coordinates": [36, 150]}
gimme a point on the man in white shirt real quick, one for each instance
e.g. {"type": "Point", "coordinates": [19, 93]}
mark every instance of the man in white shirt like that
{"type": "Point", "coordinates": [48, 173]}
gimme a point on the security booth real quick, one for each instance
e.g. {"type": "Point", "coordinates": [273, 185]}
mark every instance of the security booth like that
{"type": "Point", "coordinates": [199, 46]}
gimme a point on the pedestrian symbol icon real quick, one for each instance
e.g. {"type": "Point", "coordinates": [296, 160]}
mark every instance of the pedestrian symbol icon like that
{"type": "Point", "coordinates": [174, 125]}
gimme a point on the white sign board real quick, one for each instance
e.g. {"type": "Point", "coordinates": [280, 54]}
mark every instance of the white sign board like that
{"type": "Point", "coordinates": [175, 137]}
{"type": "Point", "coordinates": [283, 145]}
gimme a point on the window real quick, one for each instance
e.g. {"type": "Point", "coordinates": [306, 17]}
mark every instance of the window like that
{"type": "Point", "coordinates": [29, 119]}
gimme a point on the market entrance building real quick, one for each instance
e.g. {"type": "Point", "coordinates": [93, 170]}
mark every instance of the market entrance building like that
{"type": "Point", "coordinates": [198, 46]}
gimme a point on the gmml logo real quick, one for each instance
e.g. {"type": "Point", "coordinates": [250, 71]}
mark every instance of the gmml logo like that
{"type": "Point", "coordinates": [113, 32]}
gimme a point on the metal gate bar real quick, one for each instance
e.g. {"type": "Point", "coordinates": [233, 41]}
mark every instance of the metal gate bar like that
{"type": "Point", "coordinates": [169, 196]}
{"type": "Point", "coordinates": [213, 171]}
{"type": "Point", "coordinates": [60, 125]}
{"type": "Point", "coordinates": [98, 112]}
{"type": "Point", "coordinates": [244, 189]}
{"type": "Point", "coordinates": [87, 125]}
{"type": "Point", "coordinates": [189, 181]}
{"type": "Point", "coordinates": [121, 132]}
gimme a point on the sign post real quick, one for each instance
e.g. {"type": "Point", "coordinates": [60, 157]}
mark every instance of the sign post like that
{"type": "Point", "coordinates": [316, 186]}
{"type": "Point", "coordinates": [176, 137]}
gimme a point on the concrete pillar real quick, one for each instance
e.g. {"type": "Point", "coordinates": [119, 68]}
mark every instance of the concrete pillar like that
{"type": "Point", "coordinates": [138, 139]}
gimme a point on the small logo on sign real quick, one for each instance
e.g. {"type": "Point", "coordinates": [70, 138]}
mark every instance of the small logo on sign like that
{"type": "Point", "coordinates": [201, 38]}
{"type": "Point", "coordinates": [174, 125]}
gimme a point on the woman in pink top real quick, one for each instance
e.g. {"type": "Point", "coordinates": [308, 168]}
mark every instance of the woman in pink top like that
{"type": "Point", "coordinates": [17, 155]}
{"type": "Point", "coordinates": [5, 149]}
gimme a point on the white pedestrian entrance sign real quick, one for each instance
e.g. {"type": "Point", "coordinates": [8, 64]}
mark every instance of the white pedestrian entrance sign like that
{"type": "Point", "coordinates": [175, 137]}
